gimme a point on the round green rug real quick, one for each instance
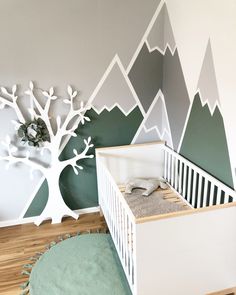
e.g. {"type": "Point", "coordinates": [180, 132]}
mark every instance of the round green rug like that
{"type": "Point", "coordinates": [82, 265]}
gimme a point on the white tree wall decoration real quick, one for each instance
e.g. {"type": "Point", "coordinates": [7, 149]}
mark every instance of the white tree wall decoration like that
{"type": "Point", "coordinates": [55, 207]}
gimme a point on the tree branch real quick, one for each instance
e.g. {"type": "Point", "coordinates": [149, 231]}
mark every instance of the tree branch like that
{"type": "Point", "coordinates": [62, 127]}
{"type": "Point", "coordinates": [73, 161]}
{"type": "Point", "coordinates": [72, 112]}
{"type": "Point", "coordinates": [13, 103]}
{"type": "Point", "coordinates": [43, 111]}
{"type": "Point", "coordinates": [25, 160]}
{"type": "Point", "coordinates": [11, 158]}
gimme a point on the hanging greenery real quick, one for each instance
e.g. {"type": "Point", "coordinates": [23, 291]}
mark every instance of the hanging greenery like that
{"type": "Point", "coordinates": [34, 133]}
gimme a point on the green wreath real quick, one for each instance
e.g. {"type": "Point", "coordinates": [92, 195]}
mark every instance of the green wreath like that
{"type": "Point", "coordinates": [34, 132]}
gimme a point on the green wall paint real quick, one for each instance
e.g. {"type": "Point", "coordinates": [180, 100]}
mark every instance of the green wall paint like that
{"type": "Point", "coordinates": [205, 142]}
{"type": "Point", "coordinates": [107, 129]}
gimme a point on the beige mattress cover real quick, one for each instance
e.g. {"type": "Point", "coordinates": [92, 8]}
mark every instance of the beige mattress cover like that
{"type": "Point", "coordinates": [155, 204]}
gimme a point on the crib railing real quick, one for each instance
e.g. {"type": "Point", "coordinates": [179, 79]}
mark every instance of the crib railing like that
{"type": "Point", "coordinates": [120, 220]}
{"type": "Point", "coordinates": [196, 186]}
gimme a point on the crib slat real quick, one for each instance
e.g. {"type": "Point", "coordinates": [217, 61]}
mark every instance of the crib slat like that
{"type": "Point", "coordinates": [165, 164]}
{"type": "Point", "coordinates": [194, 188]}
{"type": "Point", "coordinates": [113, 209]}
{"type": "Point", "coordinates": [116, 219]}
{"type": "Point", "coordinates": [176, 174]}
{"type": "Point", "coordinates": [189, 184]}
{"type": "Point", "coordinates": [130, 249]}
{"type": "Point", "coordinates": [211, 196]}
{"type": "Point", "coordinates": [168, 169]}
{"type": "Point", "coordinates": [120, 228]}
{"type": "Point", "coordinates": [184, 180]}
{"type": "Point", "coordinates": [180, 177]}
{"type": "Point", "coordinates": [122, 232]}
{"type": "Point", "coordinates": [172, 170]}
{"type": "Point", "coordinates": [205, 193]}
{"type": "Point", "coordinates": [126, 241]}
{"type": "Point", "coordinates": [218, 196]}
{"type": "Point", "coordinates": [199, 196]}
{"type": "Point", "coordinates": [226, 198]}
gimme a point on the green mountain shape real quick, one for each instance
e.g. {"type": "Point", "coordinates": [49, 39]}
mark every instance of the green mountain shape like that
{"type": "Point", "coordinates": [107, 129]}
{"type": "Point", "coordinates": [205, 142]}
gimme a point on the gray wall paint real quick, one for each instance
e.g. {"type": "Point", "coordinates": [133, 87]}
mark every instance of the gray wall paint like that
{"type": "Point", "coordinates": [68, 41]}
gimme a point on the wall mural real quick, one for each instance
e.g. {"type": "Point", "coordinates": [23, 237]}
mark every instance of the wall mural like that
{"type": "Point", "coordinates": [204, 141]}
{"type": "Point", "coordinates": [114, 121]}
{"type": "Point", "coordinates": [149, 102]}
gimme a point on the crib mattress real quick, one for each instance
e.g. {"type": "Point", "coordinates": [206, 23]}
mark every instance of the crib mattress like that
{"type": "Point", "coordinates": [156, 204]}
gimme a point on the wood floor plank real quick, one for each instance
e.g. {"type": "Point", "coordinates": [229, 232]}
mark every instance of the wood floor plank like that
{"type": "Point", "coordinates": [19, 243]}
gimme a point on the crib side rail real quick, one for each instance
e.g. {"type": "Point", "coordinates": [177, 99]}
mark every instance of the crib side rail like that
{"type": "Point", "coordinates": [196, 186]}
{"type": "Point", "coordinates": [119, 218]}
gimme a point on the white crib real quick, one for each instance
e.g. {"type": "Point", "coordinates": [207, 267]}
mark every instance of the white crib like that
{"type": "Point", "coordinates": [190, 252]}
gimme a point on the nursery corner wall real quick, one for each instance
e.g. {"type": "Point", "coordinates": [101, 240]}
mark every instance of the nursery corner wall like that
{"type": "Point", "coordinates": [154, 70]}
{"type": "Point", "coordinates": [192, 105]}
{"type": "Point", "coordinates": [205, 36]}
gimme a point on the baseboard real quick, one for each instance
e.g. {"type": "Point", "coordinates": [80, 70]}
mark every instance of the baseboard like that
{"type": "Point", "coordinates": [32, 219]}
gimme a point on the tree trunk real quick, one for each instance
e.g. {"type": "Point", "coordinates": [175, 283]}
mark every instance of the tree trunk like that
{"type": "Point", "coordinates": [55, 208]}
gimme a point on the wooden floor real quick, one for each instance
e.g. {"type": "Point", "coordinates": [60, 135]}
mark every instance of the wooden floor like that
{"type": "Point", "coordinates": [19, 243]}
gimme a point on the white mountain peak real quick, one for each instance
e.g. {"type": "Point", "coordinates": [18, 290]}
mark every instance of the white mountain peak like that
{"type": "Point", "coordinates": [115, 89]}
{"type": "Point", "coordinates": [161, 34]}
{"type": "Point", "coordinates": [207, 84]}
{"type": "Point", "coordinates": [155, 125]}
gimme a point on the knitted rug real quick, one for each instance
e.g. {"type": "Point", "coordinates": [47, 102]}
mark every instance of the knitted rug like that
{"type": "Point", "coordinates": [85, 265]}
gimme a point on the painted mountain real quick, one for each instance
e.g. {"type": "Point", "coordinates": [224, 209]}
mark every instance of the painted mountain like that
{"type": "Point", "coordinates": [157, 67]}
{"type": "Point", "coordinates": [205, 143]}
{"type": "Point", "coordinates": [108, 115]}
{"type": "Point", "coordinates": [155, 125]}
{"type": "Point", "coordinates": [161, 34]}
{"type": "Point", "coordinates": [207, 84]}
{"type": "Point", "coordinates": [176, 95]}
{"type": "Point", "coordinates": [146, 75]}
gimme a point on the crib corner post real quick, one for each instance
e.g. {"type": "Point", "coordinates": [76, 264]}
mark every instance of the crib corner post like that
{"type": "Point", "coordinates": [101, 212]}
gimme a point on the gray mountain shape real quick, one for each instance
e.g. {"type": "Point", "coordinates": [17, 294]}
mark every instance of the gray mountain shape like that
{"type": "Point", "coordinates": [114, 90]}
{"type": "Point", "coordinates": [175, 94]}
{"type": "Point", "coordinates": [158, 117]}
{"type": "Point", "coordinates": [153, 71]}
{"type": "Point", "coordinates": [207, 83]}
{"type": "Point", "coordinates": [146, 75]}
{"type": "Point", "coordinates": [161, 33]}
